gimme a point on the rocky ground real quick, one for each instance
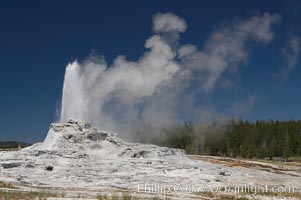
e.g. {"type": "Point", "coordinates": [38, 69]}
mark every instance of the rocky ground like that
{"type": "Point", "coordinates": [75, 156]}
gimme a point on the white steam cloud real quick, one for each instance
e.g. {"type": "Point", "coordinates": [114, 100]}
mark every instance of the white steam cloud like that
{"type": "Point", "coordinates": [162, 86]}
{"type": "Point", "coordinates": [291, 55]}
{"type": "Point", "coordinates": [226, 48]}
{"type": "Point", "coordinates": [168, 22]}
{"type": "Point", "coordinates": [239, 108]}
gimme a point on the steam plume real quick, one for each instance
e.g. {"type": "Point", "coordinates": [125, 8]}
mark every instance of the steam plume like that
{"type": "Point", "coordinates": [291, 55]}
{"type": "Point", "coordinates": [162, 86]}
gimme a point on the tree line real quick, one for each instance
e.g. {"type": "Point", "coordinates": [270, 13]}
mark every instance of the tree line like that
{"type": "Point", "coordinates": [231, 138]}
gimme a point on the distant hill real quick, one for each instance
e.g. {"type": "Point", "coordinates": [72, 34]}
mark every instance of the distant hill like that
{"type": "Point", "coordinates": [12, 144]}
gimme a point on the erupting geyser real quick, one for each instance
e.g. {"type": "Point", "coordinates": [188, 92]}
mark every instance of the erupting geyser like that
{"type": "Point", "coordinates": [73, 99]}
{"type": "Point", "coordinates": [165, 84]}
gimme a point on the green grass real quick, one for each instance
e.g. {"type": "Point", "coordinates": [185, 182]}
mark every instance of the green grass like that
{"type": "Point", "coordinates": [5, 185]}
{"type": "Point", "coordinates": [216, 196]}
{"type": "Point", "coordinates": [281, 195]}
{"type": "Point", "coordinates": [26, 195]}
{"type": "Point", "coordinates": [16, 195]}
{"type": "Point", "coordinates": [296, 159]}
{"type": "Point", "coordinates": [125, 196]}
{"type": "Point", "coordinates": [246, 195]}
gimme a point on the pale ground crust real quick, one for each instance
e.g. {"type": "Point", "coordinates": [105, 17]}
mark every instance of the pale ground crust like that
{"type": "Point", "coordinates": [76, 158]}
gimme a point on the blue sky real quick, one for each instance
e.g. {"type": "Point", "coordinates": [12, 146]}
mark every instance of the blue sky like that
{"type": "Point", "coordinates": [38, 39]}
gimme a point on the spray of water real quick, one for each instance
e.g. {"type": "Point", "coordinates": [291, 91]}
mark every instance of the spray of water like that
{"type": "Point", "coordinates": [164, 85]}
{"type": "Point", "coordinates": [73, 100]}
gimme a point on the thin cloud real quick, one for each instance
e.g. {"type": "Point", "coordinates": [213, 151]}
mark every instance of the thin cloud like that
{"type": "Point", "coordinates": [290, 55]}
{"type": "Point", "coordinates": [240, 108]}
{"type": "Point", "coordinates": [227, 48]}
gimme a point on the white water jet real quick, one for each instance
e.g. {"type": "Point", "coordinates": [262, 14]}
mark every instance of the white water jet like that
{"type": "Point", "coordinates": [73, 99]}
